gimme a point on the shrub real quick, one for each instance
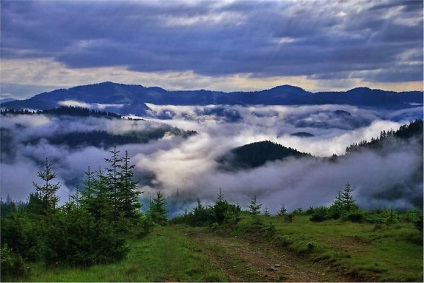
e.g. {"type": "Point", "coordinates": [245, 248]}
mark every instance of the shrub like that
{"type": "Point", "coordinates": [289, 217]}
{"type": "Point", "coordinates": [284, 241]}
{"type": "Point", "coordinates": [320, 214]}
{"type": "Point", "coordinates": [23, 235]}
{"type": "Point", "coordinates": [76, 238]}
{"type": "Point", "coordinates": [355, 216]}
{"type": "Point", "coordinates": [12, 263]}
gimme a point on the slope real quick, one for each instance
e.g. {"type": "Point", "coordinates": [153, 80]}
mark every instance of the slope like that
{"type": "Point", "coordinates": [257, 154]}
{"type": "Point", "coordinates": [132, 99]}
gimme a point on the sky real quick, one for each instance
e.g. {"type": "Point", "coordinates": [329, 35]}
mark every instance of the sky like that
{"type": "Point", "coordinates": [216, 45]}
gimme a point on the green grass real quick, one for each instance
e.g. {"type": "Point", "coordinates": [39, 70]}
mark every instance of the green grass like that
{"type": "Point", "coordinates": [164, 255]}
{"type": "Point", "coordinates": [364, 251]}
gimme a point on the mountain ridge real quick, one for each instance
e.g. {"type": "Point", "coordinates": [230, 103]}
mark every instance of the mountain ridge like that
{"type": "Point", "coordinates": [131, 99]}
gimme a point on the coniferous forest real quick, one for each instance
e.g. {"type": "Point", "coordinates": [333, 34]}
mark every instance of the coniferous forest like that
{"type": "Point", "coordinates": [90, 228]}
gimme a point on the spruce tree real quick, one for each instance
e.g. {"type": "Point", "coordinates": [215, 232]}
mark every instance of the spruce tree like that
{"type": "Point", "coordinates": [220, 208]}
{"type": "Point", "coordinates": [266, 212]}
{"type": "Point", "coordinates": [158, 209]}
{"type": "Point", "coordinates": [347, 200]}
{"type": "Point", "coordinates": [254, 207]}
{"type": "Point", "coordinates": [47, 191]}
{"type": "Point", "coordinates": [128, 203]}
{"type": "Point", "coordinates": [343, 203]}
{"type": "Point", "coordinates": [113, 178]}
{"type": "Point", "coordinates": [97, 197]}
{"type": "Point", "coordinates": [282, 211]}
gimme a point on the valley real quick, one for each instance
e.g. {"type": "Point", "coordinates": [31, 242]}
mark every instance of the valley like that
{"type": "Point", "coordinates": [167, 223]}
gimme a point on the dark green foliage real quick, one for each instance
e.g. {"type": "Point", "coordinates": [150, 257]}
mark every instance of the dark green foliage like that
{"type": "Point", "coordinates": [90, 229]}
{"type": "Point", "coordinates": [112, 179]}
{"type": "Point", "coordinates": [223, 211]}
{"type": "Point", "coordinates": [282, 211]}
{"type": "Point", "coordinates": [47, 191]}
{"type": "Point", "coordinates": [254, 206]}
{"type": "Point", "coordinates": [355, 216]}
{"type": "Point", "coordinates": [128, 204]}
{"type": "Point", "coordinates": [113, 195]}
{"type": "Point", "coordinates": [23, 235]}
{"type": "Point", "coordinates": [76, 238]}
{"type": "Point", "coordinates": [64, 110]}
{"type": "Point", "coordinates": [96, 197]}
{"type": "Point", "coordinates": [257, 154]}
{"type": "Point", "coordinates": [12, 263]}
{"type": "Point", "coordinates": [271, 230]}
{"type": "Point", "coordinates": [405, 132]}
{"type": "Point", "coordinates": [81, 112]}
{"type": "Point", "coordinates": [343, 206]}
{"type": "Point", "coordinates": [298, 211]}
{"type": "Point", "coordinates": [7, 206]}
{"type": "Point", "coordinates": [158, 209]}
{"type": "Point", "coordinates": [319, 214]}
{"type": "Point", "coordinates": [419, 223]}
{"type": "Point", "coordinates": [201, 215]}
{"type": "Point", "coordinates": [385, 216]}
{"type": "Point", "coordinates": [289, 217]}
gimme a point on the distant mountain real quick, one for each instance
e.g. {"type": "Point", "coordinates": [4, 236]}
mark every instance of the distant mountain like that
{"type": "Point", "coordinates": [257, 154]}
{"type": "Point", "coordinates": [4, 100]}
{"type": "Point", "coordinates": [132, 99]}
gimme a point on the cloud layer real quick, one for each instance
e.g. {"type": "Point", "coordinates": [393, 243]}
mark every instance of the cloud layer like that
{"type": "Point", "coordinates": [321, 44]}
{"type": "Point", "coordinates": [188, 165]}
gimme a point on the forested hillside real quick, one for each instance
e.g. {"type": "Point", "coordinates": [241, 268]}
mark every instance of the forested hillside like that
{"type": "Point", "coordinates": [127, 99]}
{"type": "Point", "coordinates": [413, 132]}
{"type": "Point", "coordinates": [257, 154]}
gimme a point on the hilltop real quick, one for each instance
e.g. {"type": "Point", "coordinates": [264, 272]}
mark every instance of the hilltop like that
{"type": "Point", "coordinates": [132, 99]}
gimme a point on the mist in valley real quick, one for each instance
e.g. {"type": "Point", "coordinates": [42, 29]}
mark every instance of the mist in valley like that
{"type": "Point", "coordinates": [186, 167]}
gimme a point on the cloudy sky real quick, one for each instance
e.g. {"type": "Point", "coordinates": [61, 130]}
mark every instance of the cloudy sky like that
{"type": "Point", "coordinates": [218, 45]}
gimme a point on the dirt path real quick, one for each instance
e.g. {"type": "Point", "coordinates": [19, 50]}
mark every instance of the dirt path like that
{"type": "Point", "coordinates": [243, 261]}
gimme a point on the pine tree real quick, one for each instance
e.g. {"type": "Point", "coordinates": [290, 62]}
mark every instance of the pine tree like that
{"type": "Point", "coordinates": [266, 212]}
{"type": "Point", "coordinates": [254, 207]}
{"type": "Point", "coordinates": [112, 177]}
{"type": "Point", "coordinates": [220, 196]}
{"type": "Point", "coordinates": [343, 203]}
{"type": "Point", "coordinates": [282, 211]}
{"type": "Point", "coordinates": [347, 200]}
{"type": "Point", "coordinates": [97, 197]}
{"type": "Point", "coordinates": [158, 209]}
{"type": "Point", "coordinates": [47, 191]}
{"type": "Point", "coordinates": [128, 203]}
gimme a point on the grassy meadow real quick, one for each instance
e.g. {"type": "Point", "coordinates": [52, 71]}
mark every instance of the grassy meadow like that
{"type": "Point", "coordinates": [346, 251]}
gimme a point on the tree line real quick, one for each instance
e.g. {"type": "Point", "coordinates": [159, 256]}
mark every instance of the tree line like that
{"type": "Point", "coordinates": [414, 128]}
{"type": "Point", "coordinates": [92, 227]}
{"type": "Point", "coordinates": [63, 110]}
{"type": "Point", "coordinates": [344, 208]}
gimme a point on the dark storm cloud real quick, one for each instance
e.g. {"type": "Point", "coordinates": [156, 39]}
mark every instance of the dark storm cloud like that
{"type": "Point", "coordinates": [212, 38]}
